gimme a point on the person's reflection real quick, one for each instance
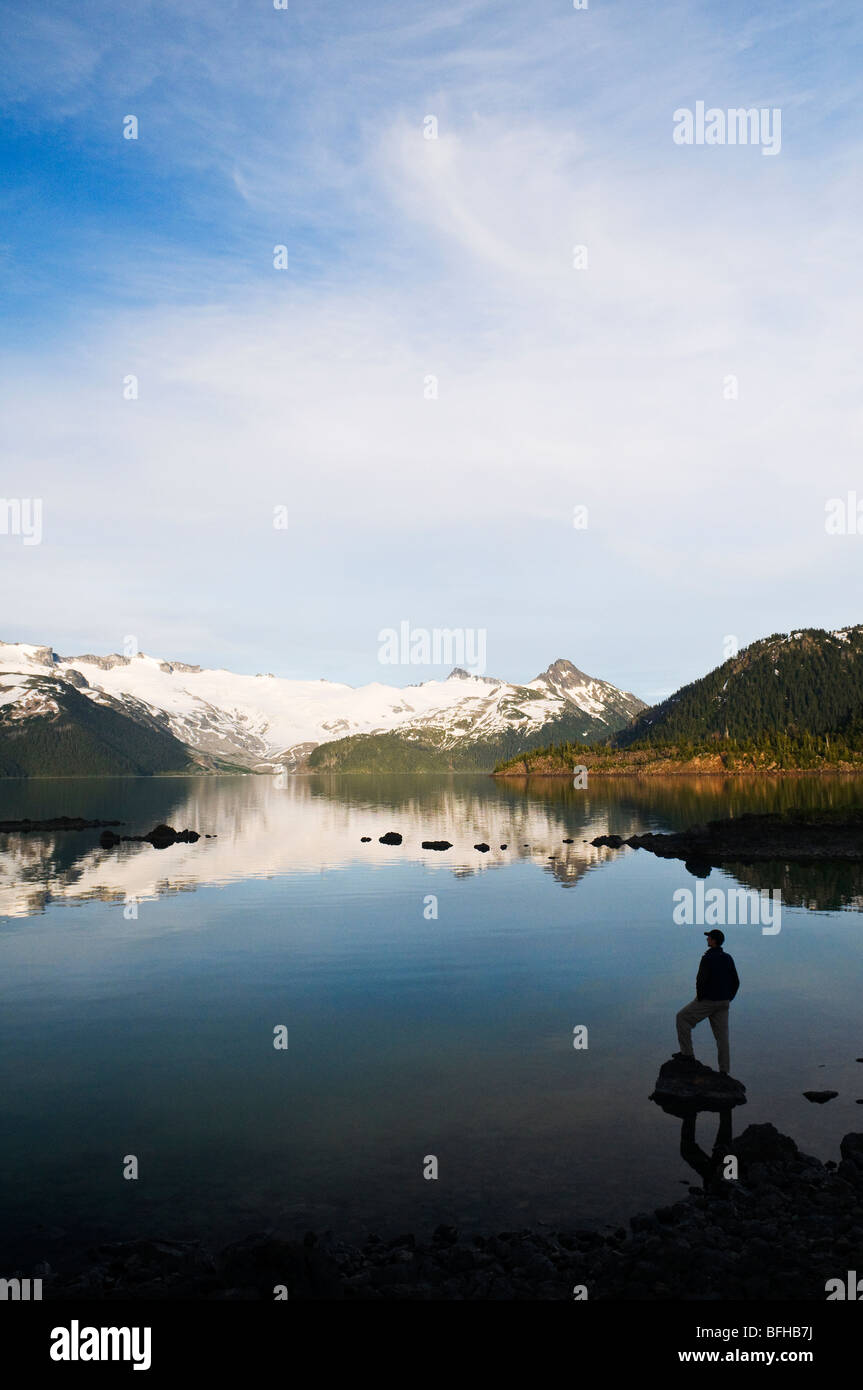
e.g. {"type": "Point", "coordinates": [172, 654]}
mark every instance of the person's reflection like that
{"type": "Point", "coordinates": [709, 1167]}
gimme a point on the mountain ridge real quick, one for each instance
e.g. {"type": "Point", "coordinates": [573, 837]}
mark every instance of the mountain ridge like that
{"type": "Point", "coordinates": [264, 722]}
{"type": "Point", "coordinates": [788, 701]}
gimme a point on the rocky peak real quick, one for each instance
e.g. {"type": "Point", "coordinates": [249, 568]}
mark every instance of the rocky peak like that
{"type": "Point", "coordinates": [105, 663]}
{"type": "Point", "coordinates": [562, 672]}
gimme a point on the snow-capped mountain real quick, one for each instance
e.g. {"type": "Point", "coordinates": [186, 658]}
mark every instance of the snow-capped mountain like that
{"type": "Point", "coordinates": [263, 721]}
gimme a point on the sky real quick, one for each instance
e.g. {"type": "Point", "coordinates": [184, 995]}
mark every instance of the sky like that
{"type": "Point", "coordinates": [399, 425]}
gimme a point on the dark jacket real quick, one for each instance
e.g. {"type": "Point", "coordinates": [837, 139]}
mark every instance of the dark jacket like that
{"type": "Point", "coordinates": [717, 975]}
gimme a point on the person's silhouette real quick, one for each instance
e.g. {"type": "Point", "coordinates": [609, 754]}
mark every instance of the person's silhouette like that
{"type": "Point", "coordinates": [716, 985]}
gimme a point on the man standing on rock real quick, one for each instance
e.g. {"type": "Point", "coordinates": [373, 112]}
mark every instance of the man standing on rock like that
{"type": "Point", "coordinates": [715, 987]}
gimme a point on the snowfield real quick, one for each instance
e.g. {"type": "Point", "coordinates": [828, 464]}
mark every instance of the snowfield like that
{"type": "Point", "coordinates": [264, 719]}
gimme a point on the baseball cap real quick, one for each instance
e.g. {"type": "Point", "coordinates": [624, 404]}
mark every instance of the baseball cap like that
{"type": "Point", "coordinates": [716, 934]}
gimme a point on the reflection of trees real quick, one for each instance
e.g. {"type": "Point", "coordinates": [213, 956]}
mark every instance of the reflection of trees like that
{"type": "Point", "coordinates": [823, 885]}
{"type": "Point", "coordinates": [668, 803]}
{"type": "Point", "coordinates": [682, 801]}
{"type": "Point", "coordinates": [463, 801]}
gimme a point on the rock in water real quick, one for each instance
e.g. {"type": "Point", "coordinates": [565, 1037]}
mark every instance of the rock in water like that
{"type": "Point", "coordinates": [437, 844]}
{"type": "Point", "coordinates": [686, 1084]}
{"type": "Point", "coordinates": [392, 837]}
{"type": "Point", "coordinates": [160, 837]}
{"type": "Point", "coordinates": [29, 827]}
{"type": "Point", "coordinates": [819, 1097]}
{"type": "Point", "coordinates": [483, 848]}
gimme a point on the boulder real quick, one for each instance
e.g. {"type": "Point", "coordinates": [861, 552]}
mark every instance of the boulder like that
{"type": "Point", "coordinates": [764, 1144]}
{"type": "Point", "coordinates": [160, 837]}
{"type": "Point", "coordinates": [685, 1085]}
{"type": "Point", "coordinates": [851, 1149]}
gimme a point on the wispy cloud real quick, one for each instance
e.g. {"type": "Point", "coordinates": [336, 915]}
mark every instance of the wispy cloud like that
{"type": "Point", "coordinates": [450, 258]}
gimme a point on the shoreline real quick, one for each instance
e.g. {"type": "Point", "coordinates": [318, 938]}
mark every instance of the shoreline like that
{"type": "Point", "coordinates": [680, 771]}
{"type": "Point", "coordinates": [787, 1227]}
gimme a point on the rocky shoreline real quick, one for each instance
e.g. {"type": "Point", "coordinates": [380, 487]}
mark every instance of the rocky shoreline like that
{"type": "Point", "coordinates": [781, 1230]}
{"type": "Point", "coordinates": [160, 837]}
{"type": "Point", "coordinates": [747, 839]}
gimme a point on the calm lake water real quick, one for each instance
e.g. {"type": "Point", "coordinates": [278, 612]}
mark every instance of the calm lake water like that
{"type": "Point", "coordinates": [139, 991]}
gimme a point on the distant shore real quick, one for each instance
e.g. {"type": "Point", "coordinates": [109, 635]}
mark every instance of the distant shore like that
{"type": "Point", "coordinates": [685, 770]}
{"type": "Point", "coordinates": [645, 763]}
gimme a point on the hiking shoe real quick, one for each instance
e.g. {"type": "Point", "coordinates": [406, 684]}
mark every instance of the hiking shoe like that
{"type": "Point", "coordinates": [685, 1061]}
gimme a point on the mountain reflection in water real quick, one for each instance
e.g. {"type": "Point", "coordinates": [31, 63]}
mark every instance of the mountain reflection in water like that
{"type": "Point", "coordinates": [315, 824]}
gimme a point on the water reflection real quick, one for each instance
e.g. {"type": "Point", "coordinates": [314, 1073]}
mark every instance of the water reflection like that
{"type": "Point", "coordinates": [307, 826]}
{"type": "Point", "coordinates": [315, 824]}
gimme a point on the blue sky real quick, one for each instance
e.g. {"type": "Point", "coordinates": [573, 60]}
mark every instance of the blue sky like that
{"type": "Point", "coordinates": [411, 257]}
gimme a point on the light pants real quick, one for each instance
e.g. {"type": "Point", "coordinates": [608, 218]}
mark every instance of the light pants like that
{"type": "Point", "coordinates": [717, 1011]}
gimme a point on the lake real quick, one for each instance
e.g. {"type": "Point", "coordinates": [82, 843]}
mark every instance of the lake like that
{"type": "Point", "coordinates": [430, 1001]}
